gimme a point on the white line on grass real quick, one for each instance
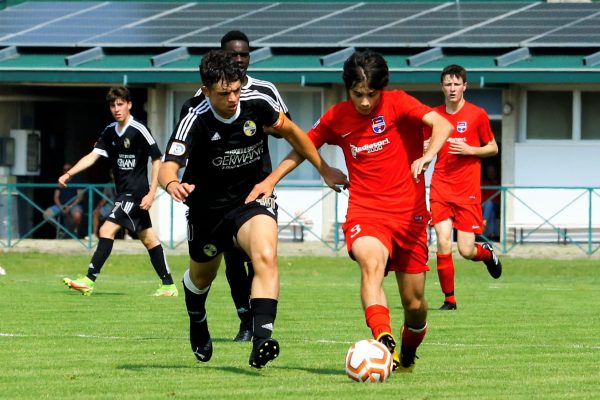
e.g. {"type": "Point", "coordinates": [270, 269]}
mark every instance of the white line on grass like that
{"type": "Point", "coordinates": [325, 341]}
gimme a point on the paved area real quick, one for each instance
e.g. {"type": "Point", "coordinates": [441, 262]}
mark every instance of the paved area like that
{"type": "Point", "coordinates": [307, 248]}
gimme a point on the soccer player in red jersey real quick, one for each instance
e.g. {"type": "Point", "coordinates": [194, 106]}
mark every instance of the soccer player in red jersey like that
{"type": "Point", "coordinates": [455, 196]}
{"type": "Point", "coordinates": [380, 134]}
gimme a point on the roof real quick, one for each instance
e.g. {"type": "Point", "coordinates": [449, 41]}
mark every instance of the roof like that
{"type": "Point", "coordinates": [303, 42]}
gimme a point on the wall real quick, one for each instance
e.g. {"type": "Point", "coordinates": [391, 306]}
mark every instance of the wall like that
{"type": "Point", "coordinates": [553, 163]}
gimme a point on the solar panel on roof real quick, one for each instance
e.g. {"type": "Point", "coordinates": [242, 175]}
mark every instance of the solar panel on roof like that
{"type": "Point", "coordinates": [514, 29]}
{"type": "Point", "coordinates": [273, 18]}
{"type": "Point", "coordinates": [348, 24]}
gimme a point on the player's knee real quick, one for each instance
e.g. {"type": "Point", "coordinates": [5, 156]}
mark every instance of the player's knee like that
{"type": "Point", "coordinates": [266, 256]}
{"type": "Point", "coordinates": [466, 251]}
{"type": "Point", "coordinates": [414, 306]}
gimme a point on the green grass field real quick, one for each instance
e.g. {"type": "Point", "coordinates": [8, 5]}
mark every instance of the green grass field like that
{"type": "Point", "coordinates": [533, 334]}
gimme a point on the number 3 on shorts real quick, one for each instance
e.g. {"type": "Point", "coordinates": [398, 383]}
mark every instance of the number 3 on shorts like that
{"type": "Point", "coordinates": [355, 230]}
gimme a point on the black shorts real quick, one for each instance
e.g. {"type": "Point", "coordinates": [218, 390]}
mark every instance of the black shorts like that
{"type": "Point", "coordinates": [211, 233]}
{"type": "Point", "coordinates": [128, 214]}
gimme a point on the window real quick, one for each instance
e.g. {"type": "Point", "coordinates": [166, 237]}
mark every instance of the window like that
{"type": "Point", "coordinates": [549, 115]}
{"type": "Point", "coordinates": [590, 117]}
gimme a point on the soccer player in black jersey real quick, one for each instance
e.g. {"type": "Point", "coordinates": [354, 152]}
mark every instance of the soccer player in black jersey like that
{"type": "Point", "coordinates": [223, 146]}
{"type": "Point", "coordinates": [239, 276]}
{"type": "Point", "coordinates": [127, 143]}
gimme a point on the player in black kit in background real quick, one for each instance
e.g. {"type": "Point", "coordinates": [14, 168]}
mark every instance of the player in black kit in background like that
{"type": "Point", "coordinates": [223, 146]}
{"type": "Point", "coordinates": [240, 273]}
{"type": "Point", "coordinates": [127, 143]}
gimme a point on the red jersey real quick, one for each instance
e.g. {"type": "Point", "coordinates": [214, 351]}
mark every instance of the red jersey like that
{"type": "Point", "coordinates": [379, 149]}
{"type": "Point", "coordinates": [456, 178]}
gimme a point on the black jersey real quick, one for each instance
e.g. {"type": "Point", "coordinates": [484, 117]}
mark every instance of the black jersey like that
{"type": "Point", "coordinates": [128, 153]}
{"type": "Point", "coordinates": [224, 158]}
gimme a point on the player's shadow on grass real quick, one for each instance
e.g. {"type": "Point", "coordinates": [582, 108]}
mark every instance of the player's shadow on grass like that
{"type": "Point", "coordinates": [316, 371]}
{"type": "Point", "coordinates": [235, 370]}
{"type": "Point", "coordinates": [95, 294]}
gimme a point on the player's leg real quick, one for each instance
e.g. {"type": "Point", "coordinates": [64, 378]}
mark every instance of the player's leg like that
{"type": "Point", "coordinates": [469, 222]}
{"type": "Point", "coordinates": [369, 246]}
{"type": "Point", "coordinates": [240, 284]}
{"type": "Point", "coordinates": [412, 294]}
{"type": "Point", "coordinates": [258, 238]}
{"type": "Point", "coordinates": [445, 263]}
{"type": "Point", "coordinates": [196, 285]}
{"type": "Point", "coordinates": [85, 285]}
{"type": "Point", "coordinates": [372, 256]}
{"type": "Point", "coordinates": [159, 262]}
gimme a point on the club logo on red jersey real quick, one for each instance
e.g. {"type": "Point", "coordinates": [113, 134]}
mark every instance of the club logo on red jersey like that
{"type": "Point", "coordinates": [461, 126]}
{"type": "Point", "coordinates": [378, 124]}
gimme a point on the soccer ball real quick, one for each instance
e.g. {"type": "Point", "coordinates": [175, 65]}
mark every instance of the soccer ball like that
{"type": "Point", "coordinates": [368, 361]}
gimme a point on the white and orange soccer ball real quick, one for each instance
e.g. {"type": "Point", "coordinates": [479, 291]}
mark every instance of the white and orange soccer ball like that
{"type": "Point", "coordinates": [368, 361]}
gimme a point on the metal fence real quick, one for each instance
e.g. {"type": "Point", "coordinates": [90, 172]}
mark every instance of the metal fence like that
{"type": "Point", "coordinates": [528, 214]}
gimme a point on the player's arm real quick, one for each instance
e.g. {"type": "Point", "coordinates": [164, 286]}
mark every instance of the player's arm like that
{"type": "Point", "coordinates": [84, 163]}
{"type": "Point", "coordinates": [266, 187]}
{"type": "Point", "coordinates": [168, 180]}
{"type": "Point", "coordinates": [306, 149]}
{"type": "Point", "coordinates": [462, 148]}
{"type": "Point", "coordinates": [148, 199]}
{"type": "Point", "coordinates": [440, 132]}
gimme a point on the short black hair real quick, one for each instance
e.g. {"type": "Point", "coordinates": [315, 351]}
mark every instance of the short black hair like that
{"type": "Point", "coordinates": [234, 35]}
{"type": "Point", "coordinates": [118, 92]}
{"type": "Point", "coordinates": [454, 70]}
{"type": "Point", "coordinates": [366, 66]}
{"type": "Point", "coordinates": [218, 65]}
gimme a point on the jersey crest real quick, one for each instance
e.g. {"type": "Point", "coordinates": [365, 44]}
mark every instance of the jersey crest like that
{"type": "Point", "coordinates": [378, 124]}
{"type": "Point", "coordinates": [461, 126]}
{"type": "Point", "coordinates": [249, 128]}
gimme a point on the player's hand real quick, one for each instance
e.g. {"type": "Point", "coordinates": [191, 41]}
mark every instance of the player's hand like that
{"type": "Point", "coordinates": [334, 178]}
{"type": "Point", "coordinates": [419, 166]}
{"type": "Point", "coordinates": [260, 190]}
{"type": "Point", "coordinates": [180, 191]}
{"type": "Point", "coordinates": [461, 148]}
{"type": "Point", "coordinates": [426, 145]}
{"type": "Point", "coordinates": [147, 201]}
{"type": "Point", "coordinates": [63, 179]}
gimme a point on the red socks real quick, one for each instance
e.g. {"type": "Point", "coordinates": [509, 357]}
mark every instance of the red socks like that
{"type": "Point", "coordinates": [445, 270]}
{"type": "Point", "coordinates": [378, 319]}
{"type": "Point", "coordinates": [412, 337]}
{"type": "Point", "coordinates": [483, 254]}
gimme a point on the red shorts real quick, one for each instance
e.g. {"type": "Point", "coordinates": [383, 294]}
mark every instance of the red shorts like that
{"type": "Point", "coordinates": [406, 242]}
{"type": "Point", "coordinates": [466, 217]}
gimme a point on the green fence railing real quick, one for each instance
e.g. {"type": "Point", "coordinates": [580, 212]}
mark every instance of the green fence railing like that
{"type": "Point", "coordinates": [528, 214]}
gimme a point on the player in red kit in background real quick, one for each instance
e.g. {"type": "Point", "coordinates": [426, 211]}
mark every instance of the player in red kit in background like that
{"type": "Point", "coordinates": [455, 196]}
{"type": "Point", "coordinates": [380, 134]}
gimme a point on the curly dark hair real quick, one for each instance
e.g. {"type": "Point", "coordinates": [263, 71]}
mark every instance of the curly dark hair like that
{"type": "Point", "coordinates": [217, 66]}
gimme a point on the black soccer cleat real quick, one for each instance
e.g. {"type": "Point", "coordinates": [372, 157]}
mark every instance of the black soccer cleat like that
{"type": "Point", "coordinates": [200, 340]}
{"type": "Point", "coordinates": [263, 351]}
{"type": "Point", "coordinates": [407, 360]}
{"type": "Point", "coordinates": [494, 266]}
{"type": "Point", "coordinates": [244, 334]}
{"type": "Point", "coordinates": [448, 305]}
{"type": "Point", "coordinates": [203, 352]}
{"type": "Point", "coordinates": [388, 341]}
